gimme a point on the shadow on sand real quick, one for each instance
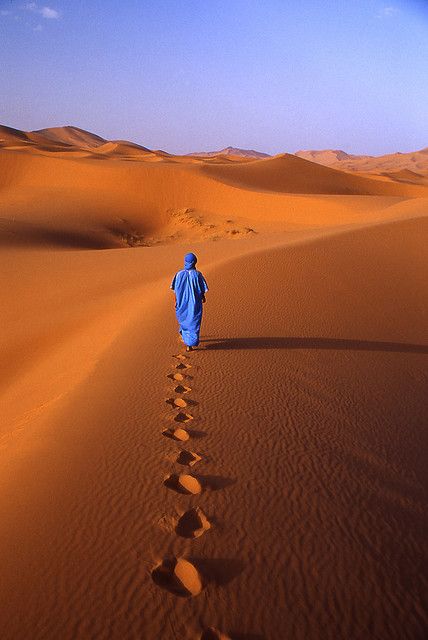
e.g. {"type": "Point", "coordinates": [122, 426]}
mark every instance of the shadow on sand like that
{"type": "Point", "coordinates": [338, 344]}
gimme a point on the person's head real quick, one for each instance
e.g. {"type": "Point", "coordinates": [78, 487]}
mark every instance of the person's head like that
{"type": "Point", "coordinates": [190, 260]}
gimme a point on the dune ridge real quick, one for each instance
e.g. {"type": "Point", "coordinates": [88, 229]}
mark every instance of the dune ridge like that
{"type": "Point", "coordinates": [70, 135]}
{"type": "Point", "coordinates": [71, 138]}
{"type": "Point", "coordinates": [415, 162]}
{"type": "Point", "coordinates": [82, 202]}
{"type": "Point", "coordinates": [68, 188]}
{"type": "Point", "coordinates": [231, 151]}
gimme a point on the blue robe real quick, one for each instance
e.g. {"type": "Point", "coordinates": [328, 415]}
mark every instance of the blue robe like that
{"type": "Point", "coordinates": [189, 286]}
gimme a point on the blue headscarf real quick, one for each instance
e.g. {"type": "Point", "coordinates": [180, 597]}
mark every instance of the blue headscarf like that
{"type": "Point", "coordinates": [190, 260]}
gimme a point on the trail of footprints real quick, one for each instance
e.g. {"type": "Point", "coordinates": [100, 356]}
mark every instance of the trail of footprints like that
{"type": "Point", "coordinates": [178, 575]}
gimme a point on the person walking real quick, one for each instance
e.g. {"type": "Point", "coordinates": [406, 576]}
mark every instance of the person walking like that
{"type": "Point", "coordinates": [189, 286]}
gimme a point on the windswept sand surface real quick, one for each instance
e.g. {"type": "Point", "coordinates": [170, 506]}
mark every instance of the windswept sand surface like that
{"type": "Point", "coordinates": [272, 484]}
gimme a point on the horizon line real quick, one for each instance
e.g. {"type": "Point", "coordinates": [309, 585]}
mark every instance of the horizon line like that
{"type": "Point", "coordinates": [300, 150]}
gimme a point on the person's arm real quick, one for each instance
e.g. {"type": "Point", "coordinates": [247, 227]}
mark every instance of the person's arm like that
{"type": "Point", "coordinates": [204, 286]}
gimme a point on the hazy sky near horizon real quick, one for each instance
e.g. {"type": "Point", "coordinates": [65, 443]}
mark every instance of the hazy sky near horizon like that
{"type": "Point", "coordinates": [190, 75]}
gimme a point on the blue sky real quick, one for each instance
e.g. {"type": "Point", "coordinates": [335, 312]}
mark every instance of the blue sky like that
{"type": "Point", "coordinates": [188, 75]}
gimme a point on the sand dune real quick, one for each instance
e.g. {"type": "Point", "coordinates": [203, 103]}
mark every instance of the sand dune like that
{"type": "Point", "coordinates": [286, 173]}
{"type": "Point", "coordinates": [313, 471]}
{"type": "Point", "coordinates": [55, 137]}
{"type": "Point", "coordinates": [327, 157]}
{"type": "Point", "coordinates": [10, 136]}
{"type": "Point", "coordinates": [122, 148]}
{"type": "Point", "coordinates": [415, 161]}
{"type": "Point", "coordinates": [71, 136]}
{"type": "Point", "coordinates": [231, 151]}
{"type": "Point", "coordinates": [80, 202]}
{"type": "Point", "coordinates": [270, 485]}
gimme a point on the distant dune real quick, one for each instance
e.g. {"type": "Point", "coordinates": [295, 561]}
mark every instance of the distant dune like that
{"type": "Point", "coordinates": [230, 151]}
{"type": "Point", "coordinates": [77, 141]}
{"type": "Point", "coordinates": [68, 187]}
{"type": "Point", "coordinates": [287, 173]}
{"type": "Point", "coordinates": [325, 156]}
{"type": "Point", "coordinates": [72, 136]}
{"type": "Point", "coordinates": [415, 161]}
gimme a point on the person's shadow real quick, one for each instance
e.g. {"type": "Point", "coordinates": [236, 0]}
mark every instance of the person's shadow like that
{"type": "Point", "coordinates": [340, 344]}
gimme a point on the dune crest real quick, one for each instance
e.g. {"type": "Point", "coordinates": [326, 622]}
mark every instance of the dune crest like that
{"type": "Point", "coordinates": [392, 163]}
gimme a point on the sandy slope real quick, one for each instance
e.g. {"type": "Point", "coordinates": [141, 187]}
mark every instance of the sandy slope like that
{"type": "Point", "coordinates": [415, 161]}
{"type": "Point", "coordinates": [308, 397]}
{"type": "Point", "coordinates": [231, 151]}
{"type": "Point", "coordinates": [68, 188]}
{"type": "Point", "coordinates": [309, 404]}
{"type": "Point", "coordinates": [70, 136]}
{"type": "Point", "coordinates": [103, 202]}
{"type": "Point", "coordinates": [287, 173]}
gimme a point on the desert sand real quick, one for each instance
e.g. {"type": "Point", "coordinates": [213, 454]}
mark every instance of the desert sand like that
{"type": "Point", "coordinates": [270, 485]}
{"type": "Point", "coordinates": [404, 167]}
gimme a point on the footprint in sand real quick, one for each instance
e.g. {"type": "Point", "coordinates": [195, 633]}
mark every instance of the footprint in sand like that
{"type": "Point", "coordinates": [213, 634]}
{"type": "Point", "coordinates": [176, 434]}
{"type": "Point", "coordinates": [176, 376]}
{"type": "Point", "coordinates": [188, 458]}
{"type": "Point", "coordinates": [183, 365]}
{"type": "Point", "coordinates": [192, 524]}
{"type": "Point", "coordinates": [178, 576]}
{"type": "Point", "coordinates": [180, 356]}
{"type": "Point", "coordinates": [177, 402]}
{"type": "Point", "coordinates": [183, 483]}
{"type": "Point", "coordinates": [180, 388]}
{"type": "Point", "coordinates": [183, 417]}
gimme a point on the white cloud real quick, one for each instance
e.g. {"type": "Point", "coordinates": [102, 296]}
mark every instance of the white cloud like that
{"type": "Point", "coordinates": [45, 12]}
{"type": "Point", "coordinates": [49, 13]}
{"type": "Point", "coordinates": [388, 12]}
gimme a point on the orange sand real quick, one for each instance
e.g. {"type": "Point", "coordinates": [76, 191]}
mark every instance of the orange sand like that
{"type": "Point", "coordinates": [407, 168]}
{"type": "Point", "coordinates": [292, 501]}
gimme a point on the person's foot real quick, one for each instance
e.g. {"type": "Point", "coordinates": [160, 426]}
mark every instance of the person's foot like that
{"type": "Point", "coordinates": [189, 348]}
